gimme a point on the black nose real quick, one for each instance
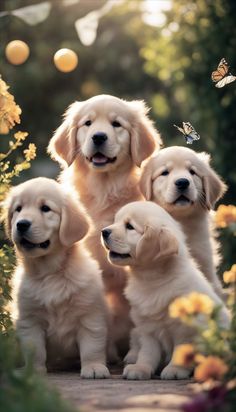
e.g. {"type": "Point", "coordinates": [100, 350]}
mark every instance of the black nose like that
{"type": "Point", "coordinates": [106, 233]}
{"type": "Point", "coordinates": [23, 225]}
{"type": "Point", "coordinates": [99, 138]}
{"type": "Point", "coordinates": [182, 184]}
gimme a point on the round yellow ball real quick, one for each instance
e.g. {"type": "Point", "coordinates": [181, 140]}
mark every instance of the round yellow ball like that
{"type": "Point", "coordinates": [65, 60]}
{"type": "Point", "coordinates": [17, 52]}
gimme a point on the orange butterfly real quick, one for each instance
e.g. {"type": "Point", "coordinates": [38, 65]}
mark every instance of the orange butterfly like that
{"type": "Point", "coordinates": [221, 75]}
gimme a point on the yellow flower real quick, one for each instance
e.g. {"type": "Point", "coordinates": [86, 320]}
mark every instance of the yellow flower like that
{"type": "Point", "coordinates": [179, 308]}
{"type": "Point", "coordinates": [225, 215]}
{"type": "Point", "coordinates": [184, 355]}
{"type": "Point", "coordinates": [9, 110]}
{"type": "Point", "coordinates": [211, 368]}
{"type": "Point", "coordinates": [192, 304]}
{"type": "Point", "coordinates": [30, 153]}
{"type": "Point", "coordinates": [200, 303]}
{"type": "Point", "coordinates": [230, 276]}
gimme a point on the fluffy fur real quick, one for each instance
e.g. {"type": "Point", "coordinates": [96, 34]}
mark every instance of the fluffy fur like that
{"type": "Point", "coordinates": [145, 237]}
{"type": "Point", "coordinates": [190, 205]}
{"type": "Point", "coordinates": [58, 293]}
{"type": "Point", "coordinates": [105, 175]}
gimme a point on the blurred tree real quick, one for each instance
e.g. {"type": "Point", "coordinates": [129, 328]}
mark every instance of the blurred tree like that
{"type": "Point", "coordinates": [188, 47]}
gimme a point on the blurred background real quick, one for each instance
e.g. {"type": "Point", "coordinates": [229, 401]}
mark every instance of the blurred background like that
{"type": "Point", "coordinates": [161, 51]}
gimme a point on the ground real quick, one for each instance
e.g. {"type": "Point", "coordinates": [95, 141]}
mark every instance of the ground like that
{"type": "Point", "coordinates": [126, 396]}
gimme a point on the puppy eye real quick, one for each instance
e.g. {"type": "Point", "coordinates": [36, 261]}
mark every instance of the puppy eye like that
{"type": "Point", "coordinates": [192, 172]}
{"type": "Point", "coordinates": [45, 208]}
{"type": "Point", "coordinates": [129, 226]}
{"type": "Point", "coordinates": [165, 173]}
{"type": "Point", "coordinates": [88, 123]}
{"type": "Point", "coordinates": [18, 209]}
{"type": "Point", "coordinates": [116, 124]}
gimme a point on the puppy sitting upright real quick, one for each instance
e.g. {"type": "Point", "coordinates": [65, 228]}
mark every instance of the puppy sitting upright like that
{"type": "Point", "coordinates": [146, 238]}
{"type": "Point", "coordinates": [58, 290]}
{"type": "Point", "coordinates": [183, 183]}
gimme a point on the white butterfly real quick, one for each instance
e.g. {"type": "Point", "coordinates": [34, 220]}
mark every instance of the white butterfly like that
{"type": "Point", "coordinates": [189, 132]}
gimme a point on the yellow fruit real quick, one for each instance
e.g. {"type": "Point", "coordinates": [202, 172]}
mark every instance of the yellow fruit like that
{"type": "Point", "coordinates": [65, 60]}
{"type": "Point", "coordinates": [17, 52]}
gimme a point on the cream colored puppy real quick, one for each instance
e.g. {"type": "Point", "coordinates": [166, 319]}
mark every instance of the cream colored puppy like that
{"type": "Point", "coordinates": [183, 183]}
{"type": "Point", "coordinates": [147, 239]}
{"type": "Point", "coordinates": [58, 292]}
{"type": "Point", "coordinates": [101, 145]}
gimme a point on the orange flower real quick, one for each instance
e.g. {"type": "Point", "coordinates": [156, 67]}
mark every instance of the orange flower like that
{"type": "Point", "coordinates": [9, 110]}
{"type": "Point", "coordinates": [191, 304]}
{"type": "Point", "coordinates": [179, 308]}
{"type": "Point", "coordinates": [225, 215]}
{"type": "Point", "coordinates": [230, 276]}
{"type": "Point", "coordinates": [184, 355]}
{"type": "Point", "coordinates": [211, 368]}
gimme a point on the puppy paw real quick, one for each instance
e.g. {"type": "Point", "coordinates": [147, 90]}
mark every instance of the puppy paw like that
{"type": "Point", "coordinates": [131, 357]}
{"type": "Point", "coordinates": [137, 372]}
{"type": "Point", "coordinates": [175, 372]}
{"type": "Point", "coordinates": [95, 371]}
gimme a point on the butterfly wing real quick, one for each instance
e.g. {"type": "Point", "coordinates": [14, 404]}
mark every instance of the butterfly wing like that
{"type": "Point", "coordinates": [225, 80]}
{"type": "Point", "coordinates": [180, 129]}
{"type": "Point", "coordinates": [190, 133]}
{"type": "Point", "coordinates": [221, 71]}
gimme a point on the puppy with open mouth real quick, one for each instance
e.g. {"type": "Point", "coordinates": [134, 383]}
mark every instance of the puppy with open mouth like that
{"type": "Point", "coordinates": [58, 304]}
{"type": "Point", "coordinates": [148, 240]}
{"type": "Point", "coordinates": [184, 183]}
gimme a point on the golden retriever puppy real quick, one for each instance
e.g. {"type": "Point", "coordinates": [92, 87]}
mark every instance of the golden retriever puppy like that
{"type": "Point", "coordinates": [104, 140]}
{"type": "Point", "coordinates": [147, 239]}
{"type": "Point", "coordinates": [183, 183]}
{"type": "Point", "coordinates": [58, 291]}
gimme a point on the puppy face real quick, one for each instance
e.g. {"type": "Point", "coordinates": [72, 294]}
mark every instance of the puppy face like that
{"type": "Point", "coordinates": [181, 181]}
{"type": "Point", "coordinates": [41, 219]}
{"type": "Point", "coordinates": [141, 234]}
{"type": "Point", "coordinates": [104, 132]}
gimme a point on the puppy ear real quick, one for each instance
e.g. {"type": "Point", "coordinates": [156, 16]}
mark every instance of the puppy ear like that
{"type": "Point", "coordinates": [74, 225]}
{"type": "Point", "coordinates": [146, 182]}
{"type": "Point", "coordinates": [62, 146]}
{"type": "Point", "coordinates": [6, 215]}
{"type": "Point", "coordinates": [144, 137]}
{"type": "Point", "coordinates": [213, 186]}
{"type": "Point", "coordinates": [155, 244]}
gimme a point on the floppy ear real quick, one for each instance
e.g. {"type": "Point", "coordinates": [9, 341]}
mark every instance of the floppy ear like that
{"type": "Point", "coordinates": [146, 182]}
{"type": "Point", "coordinates": [144, 137]}
{"type": "Point", "coordinates": [6, 215]}
{"type": "Point", "coordinates": [155, 244]}
{"type": "Point", "coordinates": [213, 185]}
{"type": "Point", "coordinates": [74, 225]}
{"type": "Point", "coordinates": [62, 146]}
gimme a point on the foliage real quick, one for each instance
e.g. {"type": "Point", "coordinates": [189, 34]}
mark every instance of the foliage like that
{"type": "Point", "coordinates": [20, 390]}
{"type": "Point", "coordinates": [213, 354]}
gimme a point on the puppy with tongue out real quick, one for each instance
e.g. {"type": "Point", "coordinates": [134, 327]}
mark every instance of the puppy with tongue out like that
{"type": "Point", "coordinates": [101, 145]}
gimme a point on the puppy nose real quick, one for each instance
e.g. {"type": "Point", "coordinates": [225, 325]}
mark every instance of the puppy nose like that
{"type": "Point", "coordinates": [106, 233]}
{"type": "Point", "coordinates": [99, 138]}
{"type": "Point", "coordinates": [23, 225]}
{"type": "Point", "coordinates": [182, 184]}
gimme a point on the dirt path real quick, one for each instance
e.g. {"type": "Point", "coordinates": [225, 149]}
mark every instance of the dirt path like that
{"type": "Point", "coordinates": [126, 396]}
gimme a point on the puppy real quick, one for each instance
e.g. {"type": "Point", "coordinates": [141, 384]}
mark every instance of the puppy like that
{"type": "Point", "coordinates": [183, 183]}
{"type": "Point", "coordinates": [147, 239]}
{"type": "Point", "coordinates": [104, 140]}
{"type": "Point", "coordinates": [58, 292]}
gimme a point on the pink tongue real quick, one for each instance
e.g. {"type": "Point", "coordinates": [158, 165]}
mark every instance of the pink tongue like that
{"type": "Point", "coordinates": [99, 159]}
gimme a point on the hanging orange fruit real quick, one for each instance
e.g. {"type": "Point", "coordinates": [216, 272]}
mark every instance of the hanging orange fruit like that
{"type": "Point", "coordinates": [17, 52]}
{"type": "Point", "coordinates": [65, 60]}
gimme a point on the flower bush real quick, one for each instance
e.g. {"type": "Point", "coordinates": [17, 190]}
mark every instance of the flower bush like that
{"type": "Point", "coordinates": [24, 390]}
{"type": "Point", "coordinates": [213, 353]}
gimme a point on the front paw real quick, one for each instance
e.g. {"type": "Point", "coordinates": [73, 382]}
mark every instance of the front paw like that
{"type": "Point", "coordinates": [137, 372]}
{"type": "Point", "coordinates": [175, 372]}
{"type": "Point", "coordinates": [131, 357]}
{"type": "Point", "coordinates": [95, 371]}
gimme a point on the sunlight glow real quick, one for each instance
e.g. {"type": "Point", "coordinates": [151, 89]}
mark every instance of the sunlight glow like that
{"type": "Point", "coordinates": [153, 11]}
